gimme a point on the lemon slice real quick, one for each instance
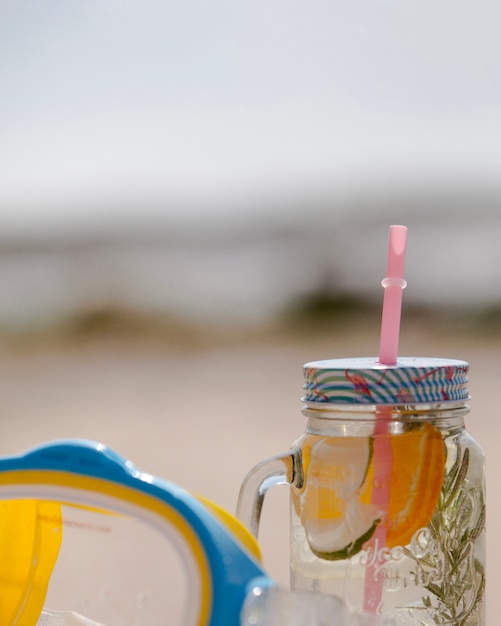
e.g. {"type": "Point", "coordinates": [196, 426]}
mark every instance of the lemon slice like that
{"type": "Point", "coordinates": [336, 514]}
{"type": "Point", "coordinates": [341, 539]}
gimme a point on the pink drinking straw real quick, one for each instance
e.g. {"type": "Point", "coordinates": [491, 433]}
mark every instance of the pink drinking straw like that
{"type": "Point", "coordinates": [393, 285]}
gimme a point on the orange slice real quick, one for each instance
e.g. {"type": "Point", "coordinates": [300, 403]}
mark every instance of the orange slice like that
{"type": "Point", "coordinates": [416, 481]}
{"type": "Point", "coordinates": [337, 503]}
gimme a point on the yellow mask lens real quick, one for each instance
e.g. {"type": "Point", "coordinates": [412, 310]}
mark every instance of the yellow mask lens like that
{"type": "Point", "coordinates": [30, 538]}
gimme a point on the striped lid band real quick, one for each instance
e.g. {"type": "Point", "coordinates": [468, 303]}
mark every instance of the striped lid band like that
{"type": "Point", "coordinates": [366, 381]}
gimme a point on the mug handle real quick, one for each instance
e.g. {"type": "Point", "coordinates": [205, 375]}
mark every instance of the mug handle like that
{"type": "Point", "coordinates": [282, 469]}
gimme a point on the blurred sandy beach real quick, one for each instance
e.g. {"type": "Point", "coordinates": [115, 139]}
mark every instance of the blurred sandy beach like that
{"type": "Point", "coordinates": [195, 200]}
{"type": "Point", "coordinates": [201, 414]}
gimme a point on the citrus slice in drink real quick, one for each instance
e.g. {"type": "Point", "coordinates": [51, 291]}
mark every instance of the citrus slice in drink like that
{"type": "Point", "coordinates": [338, 503]}
{"type": "Point", "coordinates": [417, 474]}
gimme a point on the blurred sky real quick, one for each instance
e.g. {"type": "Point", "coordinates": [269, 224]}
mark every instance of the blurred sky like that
{"type": "Point", "coordinates": [115, 107]}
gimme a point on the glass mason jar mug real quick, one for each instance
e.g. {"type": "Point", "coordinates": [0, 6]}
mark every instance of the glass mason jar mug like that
{"type": "Point", "coordinates": [387, 491]}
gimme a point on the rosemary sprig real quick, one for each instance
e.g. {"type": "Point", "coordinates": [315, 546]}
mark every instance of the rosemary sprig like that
{"type": "Point", "coordinates": [455, 578]}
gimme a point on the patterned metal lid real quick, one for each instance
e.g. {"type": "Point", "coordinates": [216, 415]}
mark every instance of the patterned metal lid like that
{"type": "Point", "coordinates": [366, 381]}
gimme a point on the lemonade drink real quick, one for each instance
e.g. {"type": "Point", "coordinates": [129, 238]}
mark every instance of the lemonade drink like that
{"type": "Point", "coordinates": [387, 491]}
